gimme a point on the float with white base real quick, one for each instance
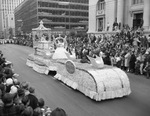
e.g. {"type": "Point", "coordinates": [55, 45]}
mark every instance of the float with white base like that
{"type": "Point", "coordinates": [43, 50]}
{"type": "Point", "coordinates": [95, 80]}
{"type": "Point", "coordinates": [98, 83]}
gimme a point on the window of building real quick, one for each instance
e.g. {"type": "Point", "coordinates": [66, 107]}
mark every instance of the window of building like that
{"type": "Point", "coordinates": [138, 2]}
{"type": "Point", "coordinates": [101, 5]}
{"type": "Point", "coordinates": [100, 24]}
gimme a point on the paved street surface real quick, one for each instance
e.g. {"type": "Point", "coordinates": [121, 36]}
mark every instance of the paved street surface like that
{"type": "Point", "coordinates": [73, 102]}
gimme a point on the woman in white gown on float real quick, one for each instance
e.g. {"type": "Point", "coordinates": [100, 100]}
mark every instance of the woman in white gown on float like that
{"type": "Point", "coordinates": [60, 52]}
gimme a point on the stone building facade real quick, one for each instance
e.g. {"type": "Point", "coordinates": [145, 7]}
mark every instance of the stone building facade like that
{"type": "Point", "coordinates": [103, 14]}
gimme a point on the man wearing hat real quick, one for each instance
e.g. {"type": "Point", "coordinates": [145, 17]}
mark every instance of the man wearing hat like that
{"type": "Point", "coordinates": [9, 83]}
{"type": "Point", "coordinates": [33, 99]}
{"type": "Point", "coordinates": [8, 73]}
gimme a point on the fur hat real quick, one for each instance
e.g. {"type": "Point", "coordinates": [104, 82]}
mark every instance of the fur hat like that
{"type": "Point", "coordinates": [13, 90]}
{"type": "Point", "coordinates": [9, 81]}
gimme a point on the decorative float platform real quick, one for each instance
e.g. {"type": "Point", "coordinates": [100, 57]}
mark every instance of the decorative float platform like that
{"type": "Point", "coordinates": [98, 83]}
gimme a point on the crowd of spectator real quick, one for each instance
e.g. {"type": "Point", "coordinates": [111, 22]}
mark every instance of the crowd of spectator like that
{"type": "Point", "coordinates": [18, 98]}
{"type": "Point", "coordinates": [128, 49]}
{"type": "Point", "coordinates": [20, 40]}
{"type": "Point", "coordinates": [24, 40]}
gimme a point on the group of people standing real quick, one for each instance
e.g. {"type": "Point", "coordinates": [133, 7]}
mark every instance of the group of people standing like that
{"type": "Point", "coordinates": [19, 98]}
{"type": "Point", "coordinates": [128, 49]}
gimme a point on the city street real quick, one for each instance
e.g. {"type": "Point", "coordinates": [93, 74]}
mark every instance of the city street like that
{"type": "Point", "coordinates": [56, 94]}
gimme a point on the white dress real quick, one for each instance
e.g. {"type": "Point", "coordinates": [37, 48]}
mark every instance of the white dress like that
{"type": "Point", "coordinates": [127, 59]}
{"type": "Point", "coordinates": [60, 52]}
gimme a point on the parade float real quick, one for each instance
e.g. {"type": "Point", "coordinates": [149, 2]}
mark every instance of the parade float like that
{"type": "Point", "coordinates": [95, 80]}
{"type": "Point", "coordinates": [43, 50]}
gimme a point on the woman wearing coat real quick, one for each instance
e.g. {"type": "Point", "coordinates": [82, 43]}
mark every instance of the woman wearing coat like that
{"type": "Point", "coordinates": [127, 60]}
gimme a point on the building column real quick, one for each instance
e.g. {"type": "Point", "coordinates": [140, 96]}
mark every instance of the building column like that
{"type": "Point", "coordinates": [104, 24]}
{"type": "Point", "coordinates": [97, 24]}
{"type": "Point", "coordinates": [146, 15]}
{"type": "Point", "coordinates": [110, 13]}
{"type": "Point", "coordinates": [92, 16]}
{"type": "Point", "coordinates": [120, 12]}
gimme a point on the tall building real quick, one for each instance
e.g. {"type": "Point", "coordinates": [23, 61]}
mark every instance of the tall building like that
{"type": "Point", "coordinates": [59, 15]}
{"type": "Point", "coordinates": [103, 13]}
{"type": "Point", "coordinates": [7, 16]}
